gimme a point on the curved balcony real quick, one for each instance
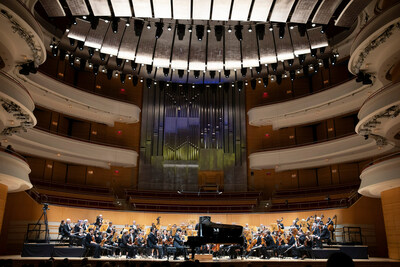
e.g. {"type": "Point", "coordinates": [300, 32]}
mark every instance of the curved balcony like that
{"type": "Point", "coordinates": [345, 149]}
{"type": "Point", "coordinates": [341, 99]}
{"type": "Point", "coordinates": [55, 95]}
{"type": "Point", "coordinates": [47, 145]}
{"type": "Point", "coordinates": [379, 114]}
{"type": "Point", "coordinates": [381, 175]}
{"type": "Point", "coordinates": [14, 171]}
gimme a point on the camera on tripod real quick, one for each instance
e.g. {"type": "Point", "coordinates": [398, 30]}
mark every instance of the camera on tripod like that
{"type": "Point", "coordinates": [45, 206]}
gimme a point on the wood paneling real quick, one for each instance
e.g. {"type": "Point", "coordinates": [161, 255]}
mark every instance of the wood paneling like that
{"type": "Point", "coordinates": [391, 213]}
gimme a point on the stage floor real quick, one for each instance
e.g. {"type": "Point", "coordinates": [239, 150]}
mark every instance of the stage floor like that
{"type": "Point", "coordinates": [224, 261]}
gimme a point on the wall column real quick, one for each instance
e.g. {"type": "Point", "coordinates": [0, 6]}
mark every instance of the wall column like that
{"type": "Point", "coordinates": [391, 213]}
{"type": "Point", "coordinates": [3, 199]}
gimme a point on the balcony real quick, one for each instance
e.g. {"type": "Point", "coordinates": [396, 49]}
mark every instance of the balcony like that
{"type": "Point", "coordinates": [14, 171]}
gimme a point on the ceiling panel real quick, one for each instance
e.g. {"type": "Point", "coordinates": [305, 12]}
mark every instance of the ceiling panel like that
{"type": "Point", "coordinates": [197, 56]}
{"type": "Point", "coordinates": [284, 48]}
{"type": "Point", "coordinates": [215, 52]}
{"type": "Point", "coordinates": [221, 9]}
{"type": "Point", "coordinates": [112, 40]}
{"type": "Point", "coordinates": [95, 37]}
{"type": "Point", "coordinates": [53, 8]}
{"type": "Point", "coordinates": [325, 11]}
{"type": "Point", "coordinates": [180, 52]}
{"type": "Point", "coordinates": [300, 43]}
{"type": "Point", "coordinates": [142, 8]}
{"type": "Point", "coordinates": [100, 7]}
{"type": "Point", "coordinates": [350, 13]}
{"type": "Point", "coordinates": [232, 51]}
{"type": "Point", "coordinates": [162, 9]}
{"type": "Point", "coordinates": [181, 9]}
{"type": "Point", "coordinates": [162, 54]}
{"type": "Point", "coordinates": [316, 38]}
{"type": "Point", "coordinates": [281, 10]}
{"type": "Point", "coordinates": [267, 48]}
{"type": "Point", "coordinates": [249, 49]}
{"type": "Point", "coordinates": [79, 30]}
{"type": "Point", "coordinates": [261, 10]}
{"type": "Point", "coordinates": [77, 7]}
{"type": "Point", "coordinates": [121, 8]}
{"type": "Point", "coordinates": [145, 49]}
{"type": "Point", "coordinates": [303, 11]}
{"type": "Point", "coordinates": [201, 9]}
{"type": "Point", "coordinates": [127, 49]}
{"type": "Point", "coordinates": [240, 10]}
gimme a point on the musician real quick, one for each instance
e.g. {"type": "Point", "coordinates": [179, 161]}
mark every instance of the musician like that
{"type": "Point", "coordinates": [152, 242]}
{"type": "Point", "coordinates": [127, 243]}
{"type": "Point", "coordinates": [280, 224]}
{"type": "Point", "coordinates": [295, 225]}
{"type": "Point", "coordinates": [323, 234]}
{"type": "Point", "coordinates": [269, 244]}
{"type": "Point", "coordinates": [134, 226]}
{"type": "Point", "coordinates": [109, 228]}
{"type": "Point", "coordinates": [89, 242]}
{"type": "Point", "coordinates": [140, 242]}
{"type": "Point", "coordinates": [178, 243]}
{"type": "Point", "coordinates": [85, 225]}
{"type": "Point", "coordinates": [61, 230]}
{"type": "Point", "coordinates": [257, 246]}
{"type": "Point", "coordinates": [305, 242]}
{"type": "Point", "coordinates": [78, 234]}
{"type": "Point", "coordinates": [106, 244]}
{"type": "Point", "coordinates": [99, 221]}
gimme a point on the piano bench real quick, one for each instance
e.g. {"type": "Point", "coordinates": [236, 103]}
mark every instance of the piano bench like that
{"type": "Point", "coordinates": [171, 251]}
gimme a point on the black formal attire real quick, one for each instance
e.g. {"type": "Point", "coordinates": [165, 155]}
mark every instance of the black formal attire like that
{"type": "Point", "coordinates": [76, 238]}
{"type": "Point", "coordinates": [305, 248]}
{"type": "Point", "coordinates": [257, 247]}
{"type": "Point", "coordinates": [88, 244]}
{"type": "Point", "coordinates": [99, 222]}
{"type": "Point", "coordinates": [129, 248]}
{"type": "Point", "coordinates": [152, 243]}
{"type": "Point", "coordinates": [178, 243]}
{"type": "Point", "coordinates": [109, 229]}
{"type": "Point", "coordinates": [269, 244]}
{"type": "Point", "coordinates": [61, 231]}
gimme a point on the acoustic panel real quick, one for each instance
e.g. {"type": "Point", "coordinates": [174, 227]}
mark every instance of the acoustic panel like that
{"type": "Point", "coordinates": [77, 7]}
{"type": "Point", "coordinates": [350, 13]}
{"type": "Point", "coordinates": [261, 10]}
{"type": "Point", "coordinates": [95, 37]}
{"type": "Point", "coordinates": [197, 55]}
{"type": "Point", "coordinates": [162, 54]}
{"type": "Point", "coordinates": [201, 9]}
{"type": "Point", "coordinates": [145, 49]}
{"type": "Point", "coordinates": [181, 9]}
{"type": "Point", "coordinates": [221, 9]}
{"type": "Point", "coordinates": [303, 11]}
{"type": "Point", "coordinates": [325, 11]}
{"type": "Point", "coordinates": [112, 40]}
{"type": "Point", "coordinates": [240, 10]}
{"type": "Point", "coordinates": [53, 8]}
{"type": "Point", "coordinates": [284, 48]}
{"type": "Point", "coordinates": [300, 43]}
{"type": "Point", "coordinates": [142, 8]}
{"type": "Point", "coordinates": [316, 38]}
{"type": "Point", "coordinates": [121, 8]}
{"type": "Point", "coordinates": [127, 49]}
{"type": "Point", "coordinates": [215, 52]}
{"type": "Point", "coordinates": [162, 9]}
{"type": "Point", "coordinates": [281, 10]}
{"type": "Point", "coordinates": [180, 52]}
{"type": "Point", "coordinates": [267, 48]}
{"type": "Point", "coordinates": [79, 30]}
{"type": "Point", "coordinates": [249, 49]}
{"type": "Point", "coordinates": [100, 8]}
{"type": "Point", "coordinates": [232, 51]}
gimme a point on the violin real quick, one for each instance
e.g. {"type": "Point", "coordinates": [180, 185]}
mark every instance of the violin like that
{"type": "Point", "coordinates": [252, 244]}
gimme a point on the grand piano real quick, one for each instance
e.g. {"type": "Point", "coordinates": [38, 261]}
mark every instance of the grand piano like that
{"type": "Point", "coordinates": [215, 233]}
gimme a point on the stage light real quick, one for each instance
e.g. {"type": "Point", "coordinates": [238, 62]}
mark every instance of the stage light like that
{"type": "Point", "coordinates": [302, 28]}
{"type": "Point", "coordinates": [122, 77]}
{"type": "Point", "coordinates": [73, 21]}
{"type": "Point", "coordinates": [290, 62]}
{"type": "Point", "coordinates": [80, 45]}
{"type": "Point", "coordinates": [102, 56]}
{"type": "Point", "coordinates": [281, 31]}
{"type": "Point", "coordinates": [265, 81]}
{"type": "Point", "coordinates": [127, 23]}
{"type": "Point", "coordinates": [159, 29]}
{"type": "Point", "coordinates": [250, 29]}
{"type": "Point", "coordinates": [71, 42]}
{"type": "Point", "coordinates": [313, 52]}
{"type": "Point", "coordinates": [260, 31]}
{"type": "Point", "coordinates": [94, 22]}
{"type": "Point", "coordinates": [114, 25]}
{"type": "Point", "coordinates": [169, 28]}
{"type": "Point", "coordinates": [292, 74]}
{"type": "Point", "coordinates": [258, 69]}
{"type": "Point", "coordinates": [244, 72]}
{"type": "Point", "coordinates": [239, 85]}
{"type": "Point", "coordinates": [181, 73]}
{"type": "Point", "coordinates": [82, 64]}
{"type": "Point", "coordinates": [316, 68]}
{"type": "Point", "coordinates": [71, 60]}
{"type": "Point", "coordinates": [313, 25]}
{"type": "Point", "coordinates": [333, 60]}
{"type": "Point", "coordinates": [270, 28]}
{"type": "Point", "coordinates": [181, 31]}
{"type": "Point", "coordinates": [196, 74]}
{"type": "Point", "coordinates": [322, 50]}
{"type": "Point", "coordinates": [302, 58]}
{"type": "Point", "coordinates": [238, 32]}
{"type": "Point", "coordinates": [119, 62]}
{"type": "Point", "coordinates": [148, 25]}
{"type": "Point", "coordinates": [199, 32]}
{"type": "Point", "coordinates": [91, 52]}
{"type": "Point", "coordinates": [148, 83]}
{"type": "Point", "coordinates": [212, 74]}
{"type": "Point", "coordinates": [227, 73]}
{"type": "Point", "coordinates": [279, 79]}
{"type": "Point", "coordinates": [133, 65]}
{"type": "Point", "coordinates": [138, 27]}
{"type": "Point", "coordinates": [253, 84]}
{"type": "Point", "coordinates": [149, 69]}
{"type": "Point", "coordinates": [54, 50]}
{"type": "Point", "coordinates": [291, 27]}
{"type": "Point", "coordinates": [95, 69]}
{"type": "Point", "coordinates": [218, 32]}
{"type": "Point", "coordinates": [109, 74]}
{"type": "Point", "coordinates": [166, 72]}
{"type": "Point", "coordinates": [208, 29]}
{"type": "Point", "coordinates": [190, 29]}
{"type": "Point", "coordinates": [135, 80]}
{"type": "Point", "coordinates": [274, 66]}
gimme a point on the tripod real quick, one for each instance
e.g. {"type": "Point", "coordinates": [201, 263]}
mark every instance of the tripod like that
{"type": "Point", "coordinates": [38, 224]}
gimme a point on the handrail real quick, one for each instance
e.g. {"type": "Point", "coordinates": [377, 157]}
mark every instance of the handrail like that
{"type": "Point", "coordinates": [201, 195]}
{"type": "Point", "coordinates": [298, 192]}
{"type": "Point", "coordinates": [83, 140]}
{"type": "Point", "coordinates": [17, 82]}
{"type": "Point", "coordinates": [381, 159]}
{"type": "Point", "coordinates": [15, 154]}
{"type": "Point", "coordinates": [304, 95]}
{"type": "Point", "coordinates": [304, 144]}
{"type": "Point", "coordinates": [71, 187]}
{"type": "Point", "coordinates": [377, 92]}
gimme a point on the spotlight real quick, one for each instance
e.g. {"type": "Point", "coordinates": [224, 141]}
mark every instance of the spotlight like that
{"type": "Point", "coordinates": [208, 29]}
{"type": "Point", "coordinates": [71, 60]}
{"type": "Point", "coordinates": [73, 20]}
{"type": "Point", "coordinates": [122, 77]}
{"type": "Point", "coordinates": [238, 32]}
{"type": "Point", "coordinates": [227, 73]}
{"type": "Point", "coordinates": [54, 50]}
{"type": "Point", "coordinates": [322, 50]}
{"type": "Point", "coordinates": [218, 32]}
{"type": "Point", "coordinates": [196, 74]}
{"type": "Point", "coordinates": [302, 29]}
{"type": "Point", "coordinates": [169, 28]}
{"type": "Point", "coordinates": [281, 31]}
{"type": "Point", "coordinates": [102, 56]}
{"type": "Point", "coordinates": [95, 69]}
{"type": "Point", "coordinates": [250, 29]}
{"type": "Point", "coordinates": [181, 73]}
{"type": "Point", "coordinates": [94, 22]}
{"type": "Point", "coordinates": [292, 74]}
{"type": "Point", "coordinates": [80, 45]}
{"type": "Point", "coordinates": [114, 25]}
{"type": "Point", "coordinates": [253, 84]}
{"type": "Point", "coordinates": [82, 64]}
{"type": "Point", "coordinates": [109, 74]}
{"type": "Point", "coordinates": [274, 66]}
{"type": "Point", "coordinates": [133, 65]}
{"type": "Point", "coordinates": [71, 42]}
{"type": "Point", "coordinates": [260, 31]}
{"type": "Point", "coordinates": [244, 72]}
{"type": "Point", "coordinates": [166, 72]}
{"type": "Point", "coordinates": [229, 29]}
{"type": "Point", "coordinates": [190, 29]}
{"type": "Point", "coordinates": [149, 69]}
{"type": "Point", "coordinates": [159, 29]}
{"type": "Point", "coordinates": [91, 52]}
{"type": "Point", "coordinates": [119, 62]}
{"type": "Point", "coordinates": [302, 58]}
{"type": "Point", "coordinates": [138, 27]}
{"type": "Point", "coordinates": [148, 25]}
{"type": "Point", "coordinates": [258, 69]}
{"type": "Point", "coordinates": [323, 29]}
{"type": "Point", "coordinates": [279, 79]}
{"type": "Point", "coordinates": [313, 52]}
{"type": "Point", "coordinates": [135, 80]}
{"type": "Point", "coordinates": [270, 28]}
{"type": "Point", "coordinates": [148, 83]}
{"type": "Point", "coordinates": [290, 62]}
{"type": "Point", "coordinates": [333, 60]}
{"type": "Point", "coordinates": [239, 85]}
{"type": "Point", "coordinates": [291, 27]}
{"type": "Point", "coordinates": [212, 74]}
{"type": "Point", "coordinates": [199, 32]}
{"type": "Point", "coordinates": [316, 68]}
{"type": "Point", "coordinates": [127, 23]}
{"type": "Point", "coordinates": [181, 31]}
{"type": "Point", "coordinates": [265, 81]}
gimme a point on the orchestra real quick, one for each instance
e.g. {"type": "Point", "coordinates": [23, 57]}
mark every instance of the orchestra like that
{"type": "Point", "coordinates": [297, 241]}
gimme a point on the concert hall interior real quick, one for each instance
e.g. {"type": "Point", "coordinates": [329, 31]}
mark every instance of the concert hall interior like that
{"type": "Point", "coordinates": [251, 131]}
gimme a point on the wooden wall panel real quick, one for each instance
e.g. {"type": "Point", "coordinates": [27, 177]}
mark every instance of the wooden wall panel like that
{"type": "Point", "coordinates": [349, 172]}
{"type": "Point", "coordinates": [76, 174]}
{"type": "Point", "coordinates": [307, 178]}
{"type": "Point", "coordinates": [324, 176]}
{"type": "Point", "coordinates": [59, 172]}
